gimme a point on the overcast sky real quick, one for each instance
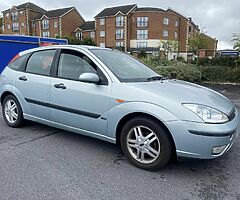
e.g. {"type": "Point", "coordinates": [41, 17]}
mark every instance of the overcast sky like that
{"type": "Point", "coordinates": [221, 18]}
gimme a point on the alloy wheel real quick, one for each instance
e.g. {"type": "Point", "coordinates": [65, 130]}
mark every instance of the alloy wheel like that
{"type": "Point", "coordinates": [143, 144]}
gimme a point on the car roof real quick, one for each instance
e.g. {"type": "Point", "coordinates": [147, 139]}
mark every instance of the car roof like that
{"type": "Point", "coordinates": [81, 47]}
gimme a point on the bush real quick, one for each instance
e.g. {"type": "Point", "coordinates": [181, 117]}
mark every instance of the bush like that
{"type": "Point", "coordinates": [219, 61]}
{"type": "Point", "coordinates": [220, 74]}
{"type": "Point", "coordinates": [142, 54]}
{"type": "Point", "coordinates": [184, 72]}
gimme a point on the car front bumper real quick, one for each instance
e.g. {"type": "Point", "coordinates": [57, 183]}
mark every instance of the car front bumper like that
{"type": "Point", "coordinates": [204, 141]}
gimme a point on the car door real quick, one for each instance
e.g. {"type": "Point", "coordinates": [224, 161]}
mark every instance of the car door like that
{"type": "Point", "coordinates": [78, 104]}
{"type": "Point", "coordinates": [33, 83]}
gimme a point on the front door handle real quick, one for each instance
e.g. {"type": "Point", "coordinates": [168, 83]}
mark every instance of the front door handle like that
{"type": "Point", "coordinates": [23, 78]}
{"type": "Point", "coordinates": [60, 86]}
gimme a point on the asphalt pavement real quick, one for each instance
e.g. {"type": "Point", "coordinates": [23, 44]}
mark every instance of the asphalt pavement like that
{"type": "Point", "coordinates": [39, 162]}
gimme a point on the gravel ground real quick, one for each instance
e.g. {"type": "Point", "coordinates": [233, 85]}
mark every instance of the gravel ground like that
{"type": "Point", "coordinates": [39, 162]}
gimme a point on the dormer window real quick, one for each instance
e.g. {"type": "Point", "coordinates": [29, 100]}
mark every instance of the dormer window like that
{"type": "Point", "coordinates": [14, 15]}
{"type": "Point", "coordinates": [119, 21]}
{"type": "Point", "coordinates": [45, 24]}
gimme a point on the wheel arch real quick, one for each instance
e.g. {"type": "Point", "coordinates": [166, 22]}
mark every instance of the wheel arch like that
{"type": "Point", "coordinates": [127, 117]}
{"type": "Point", "coordinates": [4, 95]}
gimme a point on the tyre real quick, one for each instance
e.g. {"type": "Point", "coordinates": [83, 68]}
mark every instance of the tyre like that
{"type": "Point", "coordinates": [146, 144]}
{"type": "Point", "coordinates": [12, 112]}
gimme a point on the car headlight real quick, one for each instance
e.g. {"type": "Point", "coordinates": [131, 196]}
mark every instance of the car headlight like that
{"type": "Point", "coordinates": [207, 114]}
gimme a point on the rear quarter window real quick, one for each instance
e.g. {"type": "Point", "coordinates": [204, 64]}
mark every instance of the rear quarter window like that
{"type": "Point", "coordinates": [19, 63]}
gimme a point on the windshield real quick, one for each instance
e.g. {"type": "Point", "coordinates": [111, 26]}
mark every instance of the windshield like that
{"type": "Point", "coordinates": [125, 67]}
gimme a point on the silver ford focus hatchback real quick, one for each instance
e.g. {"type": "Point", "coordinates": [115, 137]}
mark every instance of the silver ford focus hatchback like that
{"type": "Point", "coordinates": [111, 96]}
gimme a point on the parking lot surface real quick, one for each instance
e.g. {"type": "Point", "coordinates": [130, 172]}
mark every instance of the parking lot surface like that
{"type": "Point", "coordinates": [39, 162]}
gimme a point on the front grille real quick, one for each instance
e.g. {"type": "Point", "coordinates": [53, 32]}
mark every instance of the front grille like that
{"type": "Point", "coordinates": [232, 114]}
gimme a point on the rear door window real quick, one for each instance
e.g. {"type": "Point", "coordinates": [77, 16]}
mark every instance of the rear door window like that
{"type": "Point", "coordinates": [41, 62]}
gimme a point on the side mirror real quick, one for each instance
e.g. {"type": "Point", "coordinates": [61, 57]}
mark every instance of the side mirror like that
{"type": "Point", "coordinates": [89, 78]}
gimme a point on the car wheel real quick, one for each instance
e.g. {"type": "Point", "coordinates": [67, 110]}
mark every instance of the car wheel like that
{"type": "Point", "coordinates": [12, 112]}
{"type": "Point", "coordinates": [146, 144]}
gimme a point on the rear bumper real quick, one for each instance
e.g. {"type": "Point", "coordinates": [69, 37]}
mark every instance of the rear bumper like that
{"type": "Point", "coordinates": [197, 140]}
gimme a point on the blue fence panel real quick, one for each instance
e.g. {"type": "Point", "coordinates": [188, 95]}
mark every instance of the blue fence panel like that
{"type": "Point", "coordinates": [12, 45]}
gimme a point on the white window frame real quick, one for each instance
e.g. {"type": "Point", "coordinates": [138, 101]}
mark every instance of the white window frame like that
{"type": "Point", "coordinates": [8, 26]}
{"type": "Point", "coordinates": [142, 34]}
{"type": "Point", "coordinates": [141, 45]}
{"type": "Point", "coordinates": [55, 24]}
{"type": "Point", "coordinates": [166, 21]}
{"type": "Point", "coordinates": [79, 36]}
{"type": "Point", "coordinates": [15, 16]}
{"type": "Point", "coordinates": [102, 21]}
{"type": "Point", "coordinates": [46, 34]}
{"type": "Point", "coordinates": [176, 35]}
{"type": "Point", "coordinates": [102, 34]}
{"type": "Point", "coordinates": [92, 34]}
{"type": "Point", "coordinates": [119, 21]}
{"type": "Point", "coordinates": [176, 23]}
{"type": "Point", "coordinates": [119, 44]}
{"type": "Point", "coordinates": [15, 26]}
{"type": "Point", "coordinates": [45, 24]}
{"type": "Point", "coordinates": [142, 21]}
{"type": "Point", "coordinates": [165, 33]}
{"type": "Point", "coordinates": [102, 45]}
{"type": "Point", "coordinates": [22, 24]}
{"type": "Point", "coordinates": [119, 34]}
{"type": "Point", "coordinates": [21, 12]}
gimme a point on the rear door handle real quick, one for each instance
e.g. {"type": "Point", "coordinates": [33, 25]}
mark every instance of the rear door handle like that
{"type": "Point", "coordinates": [60, 86]}
{"type": "Point", "coordinates": [23, 78]}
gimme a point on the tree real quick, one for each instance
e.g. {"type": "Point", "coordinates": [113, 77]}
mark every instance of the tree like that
{"type": "Point", "coordinates": [197, 42]}
{"type": "Point", "coordinates": [236, 41]}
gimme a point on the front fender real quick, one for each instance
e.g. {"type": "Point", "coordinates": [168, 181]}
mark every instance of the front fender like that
{"type": "Point", "coordinates": [116, 113]}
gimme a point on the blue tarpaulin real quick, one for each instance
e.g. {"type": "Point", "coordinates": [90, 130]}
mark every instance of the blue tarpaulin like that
{"type": "Point", "coordinates": [10, 46]}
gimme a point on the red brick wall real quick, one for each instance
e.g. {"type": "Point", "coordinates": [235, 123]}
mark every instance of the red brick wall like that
{"type": "Point", "coordinates": [70, 22]}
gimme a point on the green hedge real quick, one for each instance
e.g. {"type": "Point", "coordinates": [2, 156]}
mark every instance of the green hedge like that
{"type": "Point", "coordinates": [219, 61]}
{"type": "Point", "coordinates": [220, 74]}
{"type": "Point", "coordinates": [180, 71]}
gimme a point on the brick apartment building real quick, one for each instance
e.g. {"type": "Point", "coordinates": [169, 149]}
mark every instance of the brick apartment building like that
{"type": "Point", "coordinates": [150, 29]}
{"type": "Point", "coordinates": [128, 27]}
{"type": "Point", "coordinates": [30, 19]}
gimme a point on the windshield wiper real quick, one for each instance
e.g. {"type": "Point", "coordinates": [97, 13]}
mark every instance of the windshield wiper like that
{"type": "Point", "coordinates": [156, 78]}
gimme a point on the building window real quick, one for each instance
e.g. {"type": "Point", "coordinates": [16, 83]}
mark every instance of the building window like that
{"type": "Point", "coordinates": [165, 21]}
{"type": "Point", "coordinates": [175, 35]}
{"type": "Point", "coordinates": [142, 34]}
{"type": "Point", "coordinates": [119, 44]}
{"type": "Point", "coordinates": [190, 29]}
{"type": "Point", "coordinates": [119, 21]}
{"type": "Point", "coordinates": [119, 34]}
{"type": "Point", "coordinates": [8, 26]}
{"type": "Point", "coordinates": [21, 12]}
{"type": "Point", "coordinates": [7, 15]}
{"type": "Point", "coordinates": [79, 36]}
{"type": "Point", "coordinates": [22, 24]}
{"type": "Point", "coordinates": [102, 21]}
{"type": "Point", "coordinates": [33, 24]}
{"type": "Point", "coordinates": [142, 21]}
{"type": "Point", "coordinates": [141, 44]}
{"type": "Point", "coordinates": [15, 15]}
{"type": "Point", "coordinates": [102, 45]}
{"type": "Point", "coordinates": [55, 24]}
{"type": "Point", "coordinates": [92, 34]}
{"type": "Point", "coordinates": [102, 33]}
{"type": "Point", "coordinates": [45, 24]}
{"type": "Point", "coordinates": [46, 34]}
{"type": "Point", "coordinates": [15, 26]}
{"type": "Point", "coordinates": [165, 33]}
{"type": "Point", "coordinates": [177, 23]}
